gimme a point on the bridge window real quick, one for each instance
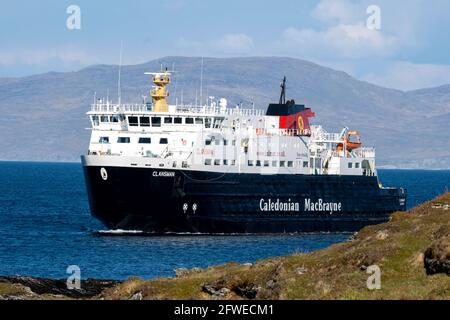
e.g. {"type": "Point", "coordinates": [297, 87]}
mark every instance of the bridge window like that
{"type": "Point", "coordinates": [177, 120]}
{"type": "Point", "coordinates": [145, 140]}
{"type": "Point", "coordinates": [104, 140]}
{"type": "Point", "coordinates": [207, 123]}
{"type": "Point", "coordinates": [133, 121]}
{"type": "Point", "coordinates": [95, 120]}
{"type": "Point", "coordinates": [145, 121]}
{"type": "Point", "coordinates": [156, 122]}
{"type": "Point", "coordinates": [123, 140]}
{"type": "Point", "coordinates": [198, 121]}
{"type": "Point", "coordinates": [217, 122]}
{"type": "Point", "coordinates": [104, 119]}
{"type": "Point", "coordinates": [168, 120]}
{"type": "Point", "coordinates": [114, 119]}
{"type": "Point", "coordinates": [163, 141]}
{"type": "Point", "coordinates": [189, 121]}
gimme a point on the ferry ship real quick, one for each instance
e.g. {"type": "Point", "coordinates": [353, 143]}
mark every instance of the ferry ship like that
{"type": "Point", "coordinates": [214, 169]}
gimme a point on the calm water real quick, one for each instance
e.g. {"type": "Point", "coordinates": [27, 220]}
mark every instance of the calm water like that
{"type": "Point", "coordinates": [45, 226]}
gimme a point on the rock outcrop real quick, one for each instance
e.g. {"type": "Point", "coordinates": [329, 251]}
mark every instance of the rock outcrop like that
{"type": "Point", "coordinates": [437, 257]}
{"type": "Point", "coordinates": [40, 286]}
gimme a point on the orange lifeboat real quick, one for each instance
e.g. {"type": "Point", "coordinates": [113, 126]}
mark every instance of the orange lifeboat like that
{"type": "Point", "coordinates": [350, 143]}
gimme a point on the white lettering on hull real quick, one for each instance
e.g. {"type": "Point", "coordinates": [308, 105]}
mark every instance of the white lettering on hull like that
{"type": "Point", "coordinates": [163, 174]}
{"type": "Point", "coordinates": [270, 205]}
{"type": "Point", "coordinates": [278, 205]}
{"type": "Point", "coordinates": [321, 206]}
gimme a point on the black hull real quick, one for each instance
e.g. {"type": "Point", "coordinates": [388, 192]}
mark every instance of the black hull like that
{"type": "Point", "coordinates": [155, 201]}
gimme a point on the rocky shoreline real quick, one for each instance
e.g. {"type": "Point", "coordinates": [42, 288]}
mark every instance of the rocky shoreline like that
{"type": "Point", "coordinates": [32, 288]}
{"type": "Point", "coordinates": [412, 252]}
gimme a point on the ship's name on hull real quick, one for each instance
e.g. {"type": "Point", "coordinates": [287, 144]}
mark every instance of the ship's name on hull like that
{"type": "Point", "coordinates": [277, 205]}
{"type": "Point", "coordinates": [163, 174]}
{"type": "Point", "coordinates": [322, 206]}
{"type": "Point", "coordinates": [290, 206]}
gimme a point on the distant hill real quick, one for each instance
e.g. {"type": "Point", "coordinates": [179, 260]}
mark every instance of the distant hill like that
{"type": "Point", "coordinates": [43, 116]}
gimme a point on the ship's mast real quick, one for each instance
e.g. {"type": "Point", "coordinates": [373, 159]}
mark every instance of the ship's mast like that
{"type": "Point", "coordinates": [201, 83]}
{"type": "Point", "coordinates": [119, 88]}
{"type": "Point", "coordinates": [283, 91]}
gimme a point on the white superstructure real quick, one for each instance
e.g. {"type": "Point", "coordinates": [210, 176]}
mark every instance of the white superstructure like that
{"type": "Point", "coordinates": [215, 137]}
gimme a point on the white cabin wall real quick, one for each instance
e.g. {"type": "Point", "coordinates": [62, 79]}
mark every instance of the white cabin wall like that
{"type": "Point", "coordinates": [278, 151]}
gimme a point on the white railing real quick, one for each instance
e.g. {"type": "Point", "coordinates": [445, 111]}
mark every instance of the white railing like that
{"type": "Point", "coordinates": [282, 132]}
{"type": "Point", "coordinates": [218, 110]}
{"type": "Point", "coordinates": [103, 107]}
{"type": "Point", "coordinates": [106, 107]}
{"type": "Point", "coordinates": [321, 136]}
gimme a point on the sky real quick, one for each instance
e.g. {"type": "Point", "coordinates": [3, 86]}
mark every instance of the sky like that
{"type": "Point", "coordinates": [409, 48]}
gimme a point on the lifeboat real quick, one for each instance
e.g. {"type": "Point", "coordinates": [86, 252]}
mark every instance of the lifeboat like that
{"type": "Point", "coordinates": [351, 144]}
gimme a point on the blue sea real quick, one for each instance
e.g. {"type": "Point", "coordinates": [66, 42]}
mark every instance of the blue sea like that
{"type": "Point", "coordinates": [45, 226]}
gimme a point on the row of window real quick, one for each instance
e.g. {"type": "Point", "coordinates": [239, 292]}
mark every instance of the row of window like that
{"type": "Point", "coordinates": [265, 163]}
{"type": "Point", "coordinates": [218, 162]}
{"type": "Point", "coordinates": [142, 140]}
{"type": "Point", "coordinates": [96, 120]}
{"type": "Point", "coordinates": [209, 142]}
{"type": "Point", "coordinates": [143, 121]}
{"type": "Point", "coordinates": [257, 163]}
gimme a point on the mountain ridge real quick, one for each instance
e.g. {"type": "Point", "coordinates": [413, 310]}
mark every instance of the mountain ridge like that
{"type": "Point", "coordinates": [407, 127]}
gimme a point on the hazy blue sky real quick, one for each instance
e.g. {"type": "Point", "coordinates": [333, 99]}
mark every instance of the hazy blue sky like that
{"type": "Point", "coordinates": [412, 49]}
